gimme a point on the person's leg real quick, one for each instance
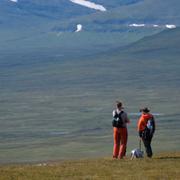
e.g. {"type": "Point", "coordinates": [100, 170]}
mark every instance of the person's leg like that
{"type": "Point", "coordinates": [116, 142]}
{"type": "Point", "coordinates": [147, 144]}
{"type": "Point", "coordinates": [123, 142]}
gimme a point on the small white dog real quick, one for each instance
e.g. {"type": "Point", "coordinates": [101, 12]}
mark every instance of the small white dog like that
{"type": "Point", "coordinates": [137, 153]}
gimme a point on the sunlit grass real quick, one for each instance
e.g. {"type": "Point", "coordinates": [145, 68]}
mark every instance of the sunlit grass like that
{"type": "Point", "coordinates": [162, 166]}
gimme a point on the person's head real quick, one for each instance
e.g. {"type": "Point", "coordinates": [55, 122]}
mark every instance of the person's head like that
{"type": "Point", "coordinates": [119, 105]}
{"type": "Point", "coordinates": [145, 110]}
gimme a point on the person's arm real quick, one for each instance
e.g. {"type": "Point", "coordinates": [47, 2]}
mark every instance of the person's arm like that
{"type": "Point", "coordinates": [140, 134]}
{"type": "Point", "coordinates": [127, 120]}
{"type": "Point", "coordinates": [139, 125]}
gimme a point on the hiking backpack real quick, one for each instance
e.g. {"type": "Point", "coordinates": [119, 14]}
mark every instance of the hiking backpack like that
{"type": "Point", "coordinates": [149, 129]}
{"type": "Point", "coordinates": [118, 121]}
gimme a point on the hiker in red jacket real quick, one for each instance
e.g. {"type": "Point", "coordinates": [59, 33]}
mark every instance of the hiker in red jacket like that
{"type": "Point", "coordinates": [146, 128]}
{"type": "Point", "coordinates": [120, 132]}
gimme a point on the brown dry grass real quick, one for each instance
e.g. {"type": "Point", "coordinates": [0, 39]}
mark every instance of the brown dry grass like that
{"type": "Point", "coordinates": [163, 166]}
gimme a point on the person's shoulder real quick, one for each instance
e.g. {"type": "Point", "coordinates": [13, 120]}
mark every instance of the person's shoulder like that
{"type": "Point", "coordinates": [124, 114]}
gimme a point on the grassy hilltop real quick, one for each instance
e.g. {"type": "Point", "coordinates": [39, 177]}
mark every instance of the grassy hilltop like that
{"type": "Point", "coordinates": [58, 87]}
{"type": "Point", "coordinates": [162, 166]}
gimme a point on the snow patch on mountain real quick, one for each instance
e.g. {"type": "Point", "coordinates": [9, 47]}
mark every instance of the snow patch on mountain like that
{"type": "Point", "coordinates": [170, 26]}
{"type": "Point", "coordinates": [79, 28]}
{"type": "Point", "coordinates": [137, 25]}
{"type": "Point", "coordinates": [15, 1]}
{"type": "Point", "coordinates": [89, 4]}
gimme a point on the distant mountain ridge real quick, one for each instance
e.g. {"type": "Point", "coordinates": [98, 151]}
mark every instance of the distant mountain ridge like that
{"type": "Point", "coordinates": [34, 24]}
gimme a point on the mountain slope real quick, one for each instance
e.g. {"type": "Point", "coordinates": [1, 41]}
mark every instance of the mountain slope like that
{"type": "Point", "coordinates": [43, 96]}
{"type": "Point", "coordinates": [27, 26]}
{"type": "Point", "coordinates": [166, 43]}
{"type": "Point", "coordinates": [142, 12]}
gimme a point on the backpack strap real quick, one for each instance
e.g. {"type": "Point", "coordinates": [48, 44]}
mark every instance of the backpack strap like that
{"type": "Point", "coordinates": [118, 115]}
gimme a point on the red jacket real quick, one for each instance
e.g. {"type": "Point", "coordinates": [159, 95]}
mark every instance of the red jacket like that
{"type": "Point", "coordinates": [142, 122]}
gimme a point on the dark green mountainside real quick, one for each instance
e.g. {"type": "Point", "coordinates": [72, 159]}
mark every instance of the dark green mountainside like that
{"type": "Point", "coordinates": [166, 43]}
{"type": "Point", "coordinates": [31, 26]}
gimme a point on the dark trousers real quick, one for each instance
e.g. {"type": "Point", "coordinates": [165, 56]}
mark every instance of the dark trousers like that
{"type": "Point", "coordinates": [147, 145]}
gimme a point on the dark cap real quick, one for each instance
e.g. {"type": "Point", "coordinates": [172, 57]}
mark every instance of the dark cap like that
{"type": "Point", "coordinates": [145, 109]}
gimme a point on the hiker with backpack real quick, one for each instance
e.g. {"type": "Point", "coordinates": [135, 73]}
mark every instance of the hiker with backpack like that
{"type": "Point", "coordinates": [119, 123]}
{"type": "Point", "coordinates": [146, 129]}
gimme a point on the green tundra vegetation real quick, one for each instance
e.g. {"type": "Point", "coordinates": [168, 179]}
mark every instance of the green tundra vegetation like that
{"type": "Point", "coordinates": [161, 166]}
